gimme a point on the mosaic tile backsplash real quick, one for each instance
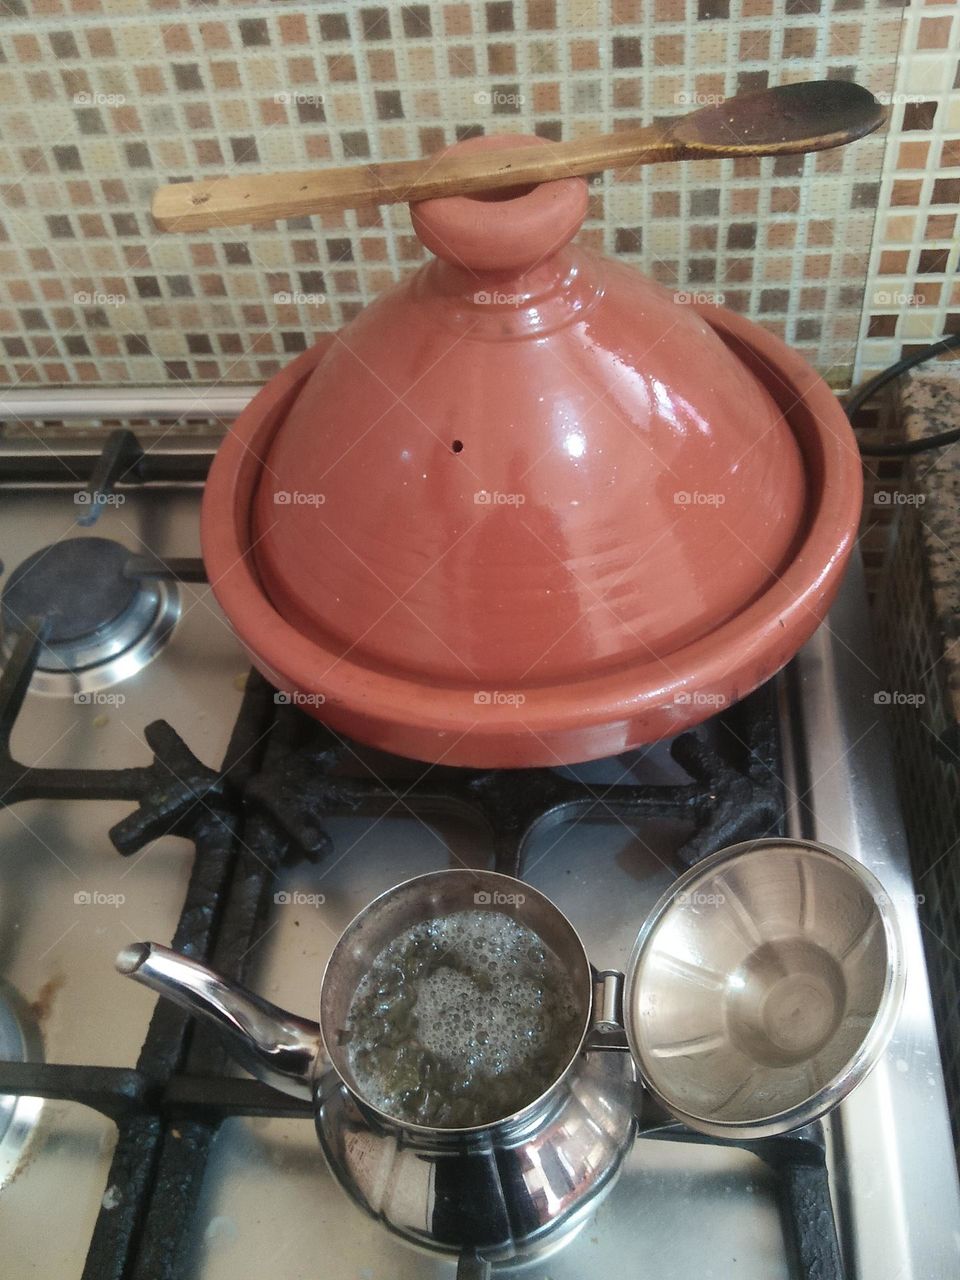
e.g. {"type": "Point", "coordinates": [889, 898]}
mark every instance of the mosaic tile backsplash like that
{"type": "Point", "coordinates": [102, 100]}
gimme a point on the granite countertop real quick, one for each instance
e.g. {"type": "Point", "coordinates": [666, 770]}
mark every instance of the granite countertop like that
{"type": "Point", "coordinates": [929, 402]}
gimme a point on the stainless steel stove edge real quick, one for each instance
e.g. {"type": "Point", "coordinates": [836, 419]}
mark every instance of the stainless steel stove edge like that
{"type": "Point", "coordinates": [893, 1172]}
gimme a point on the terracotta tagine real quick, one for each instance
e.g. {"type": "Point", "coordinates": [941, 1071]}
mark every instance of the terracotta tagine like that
{"type": "Point", "coordinates": [528, 508]}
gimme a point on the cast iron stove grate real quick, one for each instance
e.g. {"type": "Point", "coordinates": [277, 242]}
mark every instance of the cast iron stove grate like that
{"type": "Point", "coordinates": [283, 776]}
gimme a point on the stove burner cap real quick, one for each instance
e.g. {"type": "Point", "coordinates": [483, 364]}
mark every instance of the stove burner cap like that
{"type": "Point", "coordinates": [77, 586]}
{"type": "Point", "coordinates": [94, 613]}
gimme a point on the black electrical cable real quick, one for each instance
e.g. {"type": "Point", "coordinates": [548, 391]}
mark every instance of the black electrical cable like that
{"type": "Point", "coordinates": [859, 397]}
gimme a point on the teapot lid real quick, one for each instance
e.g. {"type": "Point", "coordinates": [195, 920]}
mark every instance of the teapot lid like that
{"type": "Point", "coordinates": [763, 987]}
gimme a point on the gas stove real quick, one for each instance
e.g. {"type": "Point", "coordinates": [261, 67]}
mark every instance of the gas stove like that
{"type": "Point", "coordinates": [152, 787]}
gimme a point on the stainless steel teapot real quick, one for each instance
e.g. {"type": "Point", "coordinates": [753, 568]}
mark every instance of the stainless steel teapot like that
{"type": "Point", "coordinates": [762, 988]}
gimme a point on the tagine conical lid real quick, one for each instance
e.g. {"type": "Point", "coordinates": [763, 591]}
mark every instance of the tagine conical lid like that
{"type": "Point", "coordinates": [526, 481]}
{"type": "Point", "coordinates": [524, 463]}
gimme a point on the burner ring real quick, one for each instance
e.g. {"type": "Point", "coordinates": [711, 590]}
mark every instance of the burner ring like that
{"type": "Point", "coordinates": [102, 627]}
{"type": "Point", "coordinates": [19, 1042]}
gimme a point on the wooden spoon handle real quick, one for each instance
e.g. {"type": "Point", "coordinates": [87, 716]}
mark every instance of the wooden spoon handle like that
{"type": "Point", "coordinates": [787, 120]}
{"type": "Point", "coordinates": [194, 206]}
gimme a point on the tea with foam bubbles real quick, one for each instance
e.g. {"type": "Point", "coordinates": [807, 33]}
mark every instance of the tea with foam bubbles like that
{"type": "Point", "coordinates": [461, 1021]}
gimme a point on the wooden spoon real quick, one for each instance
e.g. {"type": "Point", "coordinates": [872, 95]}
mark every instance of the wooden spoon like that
{"type": "Point", "coordinates": [787, 120]}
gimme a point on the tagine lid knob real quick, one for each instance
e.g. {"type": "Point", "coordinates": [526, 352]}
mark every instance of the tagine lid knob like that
{"type": "Point", "coordinates": [507, 230]}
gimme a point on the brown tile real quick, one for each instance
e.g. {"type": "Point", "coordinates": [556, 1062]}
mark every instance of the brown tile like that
{"type": "Point", "coordinates": [709, 9]}
{"type": "Point", "coordinates": [918, 116]}
{"type": "Point", "coordinates": [457, 20]}
{"type": "Point", "coordinates": [341, 68]}
{"type": "Point", "coordinates": [946, 191]}
{"type": "Point", "coordinates": [774, 300]}
{"type": "Point", "coordinates": [781, 235]}
{"type": "Point", "coordinates": [743, 200]}
{"type": "Point", "coordinates": [668, 51]}
{"type": "Point", "coordinates": [784, 200]}
{"type": "Point", "coordinates": [913, 155]}
{"type": "Point", "coordinates": [906, 192]}
{"type": "Point", "coordinates": [208, 152]}
{"type": "Point", "coordinates": [198, 115]}
{"type": "Point", "coordinates": [254, 32]}
{"type": "Point", "coordinates": [389, 104]}
{"type": "Point", "coordinates": [928, 293]}
{"type": "Point", "coordinates": [417, 23]}
{"type": "Point", "coordinates": [738, 271]}
{"type": "Point", "coordinates": [293, 28]}
{"type": "Point", "coordinates": [461, 61]}
{"type": "Point", "coordinates": [215, 36]}
{"type": "Point", "coordinates": [934, 33]}
{"type": "Point", "coordinates": [177, 38]}
{"type": "Point", "coordinates": [742, 235]}
{"type": "Point", "coordinates": [628, 240]}
{"type": "Point", "coordinates": [704, 204]}
{"type": "Point", "coordinates": [893, 262]}
{"type": "Point", "coordinates": [627, 92]}
{"type": "Point", "coordinates": [186, 76]}
{"type": "Point", "coordinates": [799, 42]}
{"type": "Point", "coordinates": [501, 59]}
{"type": "Point", "coordinates": [149, 80]}
{"type": "Point", "coordinates": [950, 153]}
{"type": "Point", "coordinates": [627, 51]}
{"type": "Point", "coordinates": [585, 55]}
{"type": "Point", "coordinates": [666, 204]}
{"type": "Point", "coordinates": [541, 15]}
{"type": "Point", "coordinates": [864, 195]}
{"type": "Point", "coordinates": [746, 167]}
{"type": "Point", "coordinates": [702, 236]}
{"type": "Point", "coordinates": [27, 48]}
{"type": "Point", "coordinates": [334, 26]}
{"type": "Point", "coordinates": [382, 64]}
{"type": "Point", "coordinates": [932, 261]}
{"type": "Point", "coordinates": [64, 44]}
{"type": "Point", "coordinates": [499, 16]}
{"type": "Point", "coordinates": [546, 96]}
{"type": "Point", "coordinates": [845, 40]}
{"type": "Point", "coordinates": [754, 46]}
{"type": "Point", "coordinates": [375, 23]}
{"type": "Point", "coordinates": [940, 226]}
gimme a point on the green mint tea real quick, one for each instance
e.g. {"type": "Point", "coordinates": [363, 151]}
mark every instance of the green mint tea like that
{"type": "Point", "coordinates": [460, 1021]}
